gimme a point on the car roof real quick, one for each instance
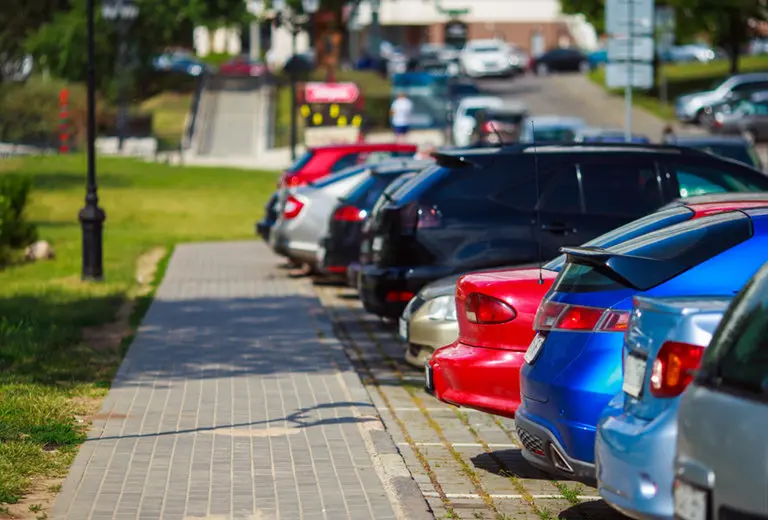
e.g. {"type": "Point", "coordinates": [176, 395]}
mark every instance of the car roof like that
{"type": "Point", "coordinates": [480, 100]}
{"type": "Point", "coordinates": [408, 165]}
{"type": "Point", "coordinates": [718, 198]}
{"type": "Point", "coordinates": [365, 146]}
{"type": "Point", "coordinates": [706, 139]}
{"type": "Point", "coordinates": [484, 42]}
{"type": "Point", "coordinates": [556, 121]}
{"type": "Point", "coordinates": [710, 208]}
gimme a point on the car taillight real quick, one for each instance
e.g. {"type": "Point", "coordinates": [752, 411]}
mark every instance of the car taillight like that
{"type": "Point", "coordinates": [489, 126]}
{"type": "Point", "coordinates": [349, 214]}
{"type": "Point", "coordinates": [561, 316]}
{"type": "Point", "coordinates": [485, 310]}
{"type": "Point", "coordinates": [293, 180]}
{"type": "Point", "coordinates": [293, 207]}
{"type": "Point", "coordinates": [399, 296]}
{"type": "Point", "coordinates": [418, 216]}
{"type": "Point", "coordinates": [673, 368]}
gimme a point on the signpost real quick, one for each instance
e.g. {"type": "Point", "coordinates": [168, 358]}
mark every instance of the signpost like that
{"type": "Point", "coordinates": [332, 113]}
{"type": "Point", "coordinates": [665, 39]}
{"type": "Point", "coordinates": [629, 24]}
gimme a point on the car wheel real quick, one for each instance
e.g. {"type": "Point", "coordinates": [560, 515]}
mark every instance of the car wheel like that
{"type": "Point", "coordinates": [542, 69]}
{"type": "Point", "coordinates": [698, 119]}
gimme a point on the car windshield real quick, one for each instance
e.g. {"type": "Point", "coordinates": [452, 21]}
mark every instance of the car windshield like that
{"type": "Point", "coordinates": [339, 176]}
{"type": "Point", "coordinates": [485, 48]}
{"type": "Point", "coordinates": [554, 134]}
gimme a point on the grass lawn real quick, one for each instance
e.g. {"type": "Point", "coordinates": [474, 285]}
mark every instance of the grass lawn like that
{"type": "Point", "coordinates": [685, 78]}
{"type": "Point", "coordinates": [170, 110]}
{"type": "Point", "coordinates": [48, 373]}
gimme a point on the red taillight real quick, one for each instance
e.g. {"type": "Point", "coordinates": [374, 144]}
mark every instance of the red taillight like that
{"type": "Point", "coordinates": [485, 310]}
{"type": "Point", "coordinates": [673, 368]}
{"type": "Point", "coordinates": [489, 126]}
{"type": "Point", "coordinates": [337, 269]}
{"type": "Point", "coordinates": [349, 214]}
{"type": "Point", "coordinates": [560, 316]}
{"type": "Point", "coordinates": [293, 207]}
{"type": "Point", "coordinates": [293, 180]}
{"type": "Point", "coordinates": [416, 216]}
{"type": "Point", "coordinates": [399, 296]}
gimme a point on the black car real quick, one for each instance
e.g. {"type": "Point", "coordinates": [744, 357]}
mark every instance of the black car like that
{"type": "Point", "coordinates": [264, 226]}
{"type": "Point", "coordinates": [560, 60]}
{"type": "Point", "coordinates": [342, 244]}
{"type": "Point", "coordinates": [519, 204]}
{"type": "Point", "coordinates": [730, 147]}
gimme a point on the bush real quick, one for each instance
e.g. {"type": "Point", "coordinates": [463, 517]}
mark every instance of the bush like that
{"type": "Point", "coordinates": [15, 231]}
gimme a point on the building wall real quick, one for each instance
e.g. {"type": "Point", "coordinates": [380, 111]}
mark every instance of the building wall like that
{"type": "Point", "coordinates": [425, 12]}
{"type": "Point", "coordinates": [554, 33]}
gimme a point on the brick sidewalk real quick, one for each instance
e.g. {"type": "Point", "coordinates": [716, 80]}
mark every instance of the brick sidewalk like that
{"type": "Point", "coordinates": [230, 404]}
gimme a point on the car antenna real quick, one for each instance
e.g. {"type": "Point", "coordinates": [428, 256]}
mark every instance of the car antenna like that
{"type": "Point", "coordinates": [498, 134]}
{"type": "Point", "coordinates": [538, 210]}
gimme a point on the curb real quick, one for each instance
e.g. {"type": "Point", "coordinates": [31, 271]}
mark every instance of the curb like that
{"type": "Point", "coordinates": [404, 493]}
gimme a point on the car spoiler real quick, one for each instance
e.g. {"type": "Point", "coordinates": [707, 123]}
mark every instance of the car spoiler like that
{"type": "Point", "coordinates": [638, 272]}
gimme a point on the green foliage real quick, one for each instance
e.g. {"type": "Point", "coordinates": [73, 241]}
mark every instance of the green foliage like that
{"type": "Point", "coordinates": [593, 10]}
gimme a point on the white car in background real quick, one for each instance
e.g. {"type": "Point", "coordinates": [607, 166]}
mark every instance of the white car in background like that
{"type": "Point", "coordinates": [483, 58]}
{"type": "Point", "coordinates": [464, 121]}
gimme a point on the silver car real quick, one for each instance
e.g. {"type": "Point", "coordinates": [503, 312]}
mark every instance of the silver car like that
{"type": "Point", "coordinates": [720, 465]}
{"type": "Point", "coordinates": [691, 108]}
{"type": "Point", "coordinates": [305, 211]}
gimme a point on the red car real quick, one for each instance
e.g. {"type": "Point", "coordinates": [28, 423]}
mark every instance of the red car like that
{"type": "Point", "coordinates": [320, 161]}
{"type": "Point", "coordinates": [243, 66]}
{"type": "Point", "coordinates": [495, 312]}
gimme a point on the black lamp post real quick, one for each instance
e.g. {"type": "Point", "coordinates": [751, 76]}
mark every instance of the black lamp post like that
{"type": "Point", "coordinates": [92, 216]}
{"type": "Point", "coordinates": [295, 23]}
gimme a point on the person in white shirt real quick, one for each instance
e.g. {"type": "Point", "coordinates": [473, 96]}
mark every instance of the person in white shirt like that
{"type": "Point", "coordinates": [400, 116]}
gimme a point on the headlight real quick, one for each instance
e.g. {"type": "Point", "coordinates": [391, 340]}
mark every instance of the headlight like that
{"type": "Point", "coordinates": [442, 308]}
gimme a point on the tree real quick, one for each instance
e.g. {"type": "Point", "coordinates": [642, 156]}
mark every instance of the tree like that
{"type": "Point", "coordinates": [593, 11]}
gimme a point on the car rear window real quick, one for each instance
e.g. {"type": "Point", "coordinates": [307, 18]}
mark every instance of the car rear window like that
{"type": "Point", "coordinates": [738, 152]}
{"type": "Point", "coordinates": [737, 358]}
{"type": "Point", "coordinates": [554, 134]}
{"type": "Point", "coordinates": [636, 228]}
{"type": "Point", "coordinates": [301, 162]}
{"type": "Point", "coordinates": [675, 249]}
{"type": "Point", "coordinates": [364, 195]}
{"type": "Point", "coordinates": [336, 177]}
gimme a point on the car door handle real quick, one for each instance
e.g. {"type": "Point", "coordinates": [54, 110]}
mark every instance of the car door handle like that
{"type": "Point", "coordinates": [558, 228]}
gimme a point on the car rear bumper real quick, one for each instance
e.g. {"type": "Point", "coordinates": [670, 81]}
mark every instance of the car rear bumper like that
{"type": "Point", "coordinates": [386, 291]}
{"type": "Point", "coordinates": [468, 376]}
{"type": "Point", "coordinates": [633, 462]}
{"type": "Point", "coordinates": [425, 336]}
{"type": "Point", "coordinates": [542, 446]}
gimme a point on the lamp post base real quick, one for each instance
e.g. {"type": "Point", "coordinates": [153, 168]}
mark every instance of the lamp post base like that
{"type": "Point", "coordinates": [92, 219]}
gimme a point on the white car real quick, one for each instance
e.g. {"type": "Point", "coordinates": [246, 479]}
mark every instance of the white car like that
{"type": "Point", "coordinates": [483, 58]}
{"type": "Point", "coordinates": [464, 120]}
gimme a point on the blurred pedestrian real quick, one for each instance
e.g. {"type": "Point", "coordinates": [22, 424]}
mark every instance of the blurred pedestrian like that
{"type": "Point", "coordinates": [668, 134]}
{"type": "Point", "coordinates": [400, 116]}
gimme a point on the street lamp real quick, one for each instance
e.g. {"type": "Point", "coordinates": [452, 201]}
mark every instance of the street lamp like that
{"type": "Point", "coordinates": [91, 216]}
{"type": "Point", "coordinates": [123, 13]}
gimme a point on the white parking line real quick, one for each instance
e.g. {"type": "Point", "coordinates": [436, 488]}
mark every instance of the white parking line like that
{"type": "Point", "coordinates": [461, 444]}
{"type": "Point", "coordinates": [473, 496]}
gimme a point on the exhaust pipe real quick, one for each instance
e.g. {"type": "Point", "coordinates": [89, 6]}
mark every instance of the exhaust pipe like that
{"type": "Point", "coordinates": [559, 460]}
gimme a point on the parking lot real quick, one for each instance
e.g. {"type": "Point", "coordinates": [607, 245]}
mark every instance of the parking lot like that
{"type": "Point", "coordinates": [467, 463]}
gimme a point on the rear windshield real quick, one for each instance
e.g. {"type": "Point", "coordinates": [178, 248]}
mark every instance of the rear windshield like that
{"type": "Point", "coordinates": [390, 190]}
{"type": "Point", "coordinates": [676, 249]}
{"type": "Point", "coordinates": [505, 118]}
{"type": "Point", "coordinates": [301, 162]}
{"type": "Point", "coordinates": [636, 228]}
{"type": "Point", "coordinates": [737, 358]}
{"type": "Point", "coordinates": [364, 195]}
{"type": "Point", "coordinates": [336, 177]}
{"type": "Point", "coordinates": [554, 134]}
{"type": "Point", "coordinates": [738, 152]}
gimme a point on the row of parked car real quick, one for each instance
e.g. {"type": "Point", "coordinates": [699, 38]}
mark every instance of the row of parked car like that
{"type": "Point", "coordinates": [572, 286]}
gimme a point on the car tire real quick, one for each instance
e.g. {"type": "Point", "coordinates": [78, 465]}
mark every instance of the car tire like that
{"type": "Point", "coordinates": [542, 69]}
{"type": "Point", "coordinates": [698, 118]}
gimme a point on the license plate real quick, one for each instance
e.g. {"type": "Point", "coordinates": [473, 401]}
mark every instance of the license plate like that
{"type": "Point", "coordinates": [634, 375]}
{"type": "Point", "coordinates": [427, 377]}
{"type": "Point", "coordinates": [402, 329]}
{"type": "Point", "coordinates": [377, 243]}
{"type": "Point", "coordinates": [690, 502]}
{"type": "Point", "coordinates": [534, 348]}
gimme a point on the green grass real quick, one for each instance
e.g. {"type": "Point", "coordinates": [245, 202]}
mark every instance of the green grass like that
{"type": "Point", "coordinates": [685, 78]}
{"type": "Point", "coordinates": [169, 111]}
{"type": "Point", "coordinates": [47, 373]}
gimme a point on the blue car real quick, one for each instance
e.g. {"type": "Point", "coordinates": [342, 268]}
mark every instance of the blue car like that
{"type": "Point", "coordinates": [637, 431]}
{"type": "Point", "coordinates": [574, 363]}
